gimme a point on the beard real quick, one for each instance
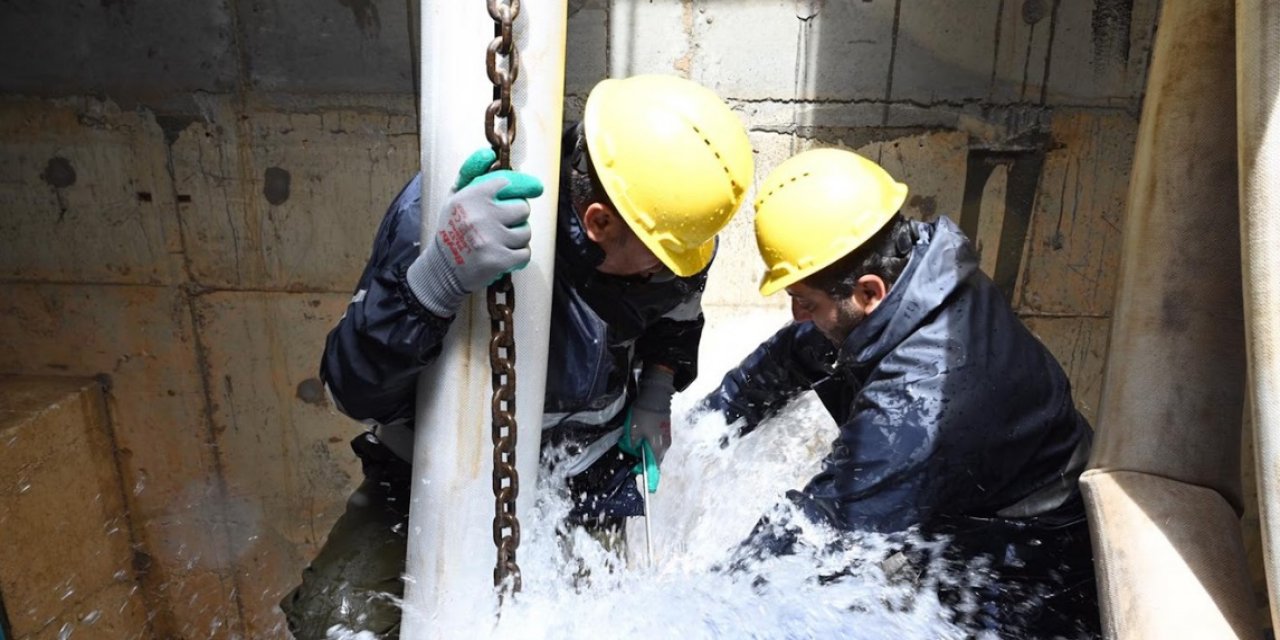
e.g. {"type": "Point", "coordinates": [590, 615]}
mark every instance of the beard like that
{"type": "Point", "coordinates": [848, 316]}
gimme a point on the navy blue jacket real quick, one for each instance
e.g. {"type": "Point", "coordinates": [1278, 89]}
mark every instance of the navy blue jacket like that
{"type": "Point", "coordinates": [949, 408]}
{"type": "Point", "coordinates": [604, 329]}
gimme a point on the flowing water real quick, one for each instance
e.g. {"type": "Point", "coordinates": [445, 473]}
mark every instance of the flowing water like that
{"type": "Point", "coordinates": [710, 498]}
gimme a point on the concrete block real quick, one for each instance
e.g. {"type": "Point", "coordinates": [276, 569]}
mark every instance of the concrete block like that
{"type": "Point", "coordinates": [290, 200]}
{"type": "Point", "coordinates": [359, 46]}
{"type": "Point", "coordinates": [828, 121]}
{"type": "Point", "coordinates": [586, 60]}
{"type": "Point", "coordinates": [142, 338]}
{"type": "Point", "coordinates": [1024, 31]}
{"type": "Point", "coordinates": [945, 52]}
{"type": "Point", "coordinates": [133, 49]}
{"type": "Point", "coordinates": [193, 571]}
{"type": "Point", "coordinates": [1072, 256]}
{"type": "Point", "coordinates": [1100, 52]}
{"type": "Point", "coordinates": [139, 336]}
{"type": "Point", "coordinates": [285, 451]}
{"type": "Point", "coordinates": [647, 36]}
{"type": "Point", "coordinates": [932, 165]}
{"type": "Point", "coordinates": [114, 612]}
{"type": "Point", "coordinates": [1080, 345]}
{"type": "Point", "coordinates": [88, 195]}
{"type": "Point", "coordinates": [67, 539]}
{"type": "Point", "coordinates": [734, 279]}
{"type": "Point", "coordinates": [796, 50]}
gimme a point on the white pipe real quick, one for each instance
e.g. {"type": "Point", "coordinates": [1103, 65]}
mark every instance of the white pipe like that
{"type": "Point", "coordinates": [1258, 92]}
{"type": "Point", "coordinates": [451, 556]}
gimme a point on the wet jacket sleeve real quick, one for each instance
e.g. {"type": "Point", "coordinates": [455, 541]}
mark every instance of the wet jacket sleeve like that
{"type": "Point", "coordinates": [373, 356]}
{"type": "Point", "coordinates": [881, 472]}
{"type": "Point", "coordinates": [673, 340]}
{"type": "Point", "coordinates": [788, 363]}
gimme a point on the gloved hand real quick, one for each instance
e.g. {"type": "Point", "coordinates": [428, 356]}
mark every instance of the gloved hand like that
{"type": "Point", "coordinates": [482, 233]}
{"type": "Point", "coordinates": [651, 412]}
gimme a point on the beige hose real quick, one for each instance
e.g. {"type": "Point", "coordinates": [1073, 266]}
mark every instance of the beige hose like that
{"type": "Point", "coordinates": [1163, 488]}
{"type": "Point", "coordinates": [1258, 92]}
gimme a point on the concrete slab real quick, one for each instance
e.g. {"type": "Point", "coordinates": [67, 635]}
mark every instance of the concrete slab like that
{"type": "Point", "coordinates": [356, 46]}
{"type": "Point", "coordinates": [647, 36]}
{"type": "Point", "coordinates": [288, 463]}
{"type": "Point", "coordinates": [1024, 31]}
{"type": "Point", "coordinates": [114, 612]}
{"type": "Point", "coordinates": [1080, 345]}
{"type": "Point", "coordinates": [1100, 52]}
{"type": "Point", "coordinates": [193, 570]}
{"type": "Point", "coordinates": [129, 49]}
{"type": "Point", "coordinates": [62, 509]}
{"type": "Point", "coordinates": [932, 165]}
{"type": "Point", "coordinates": [1073, 248]}
{"type": "Point", "coordinates": [289, 200]}
{"type": "Point", "coordinates": [804, 50]}
{"type": "Point", "coordinates": [142, 339]}
{"type": "Point", "coordinates": [88, 195]}
{"type": "Point", "coordinates": [945, 52]}
{"type": "Point", "coordinates": [587, 46]}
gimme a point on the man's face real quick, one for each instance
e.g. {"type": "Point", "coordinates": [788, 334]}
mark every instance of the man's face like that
{"type": "Point", "coordinates": [834, 317]}
{"type": "Point", "coordinates": [627, 256]}
{"type": "Point", "coordinates": [624, 254]}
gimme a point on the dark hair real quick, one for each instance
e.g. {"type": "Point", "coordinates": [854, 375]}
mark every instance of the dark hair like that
{"type": "Point", "coordinates": [884, 255]}
{"type": "Point", "coordinates": [584, 185]}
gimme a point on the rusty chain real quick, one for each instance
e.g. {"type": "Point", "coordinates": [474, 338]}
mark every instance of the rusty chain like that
{"type": "Point", "coordinates": [502, 302]}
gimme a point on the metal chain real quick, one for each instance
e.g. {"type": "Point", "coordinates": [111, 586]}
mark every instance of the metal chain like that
{"type": "Point", "coordinates": [502, 302]}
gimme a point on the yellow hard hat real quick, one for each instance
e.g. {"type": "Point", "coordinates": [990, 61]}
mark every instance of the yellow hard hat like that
{"type": "Point", "coordinates": [674, 160]}
{"type": "Point", "coordinates": [816, 208]}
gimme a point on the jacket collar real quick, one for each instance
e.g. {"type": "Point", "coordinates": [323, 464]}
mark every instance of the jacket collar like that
{"type": "Point", "coordinates": [941, 262]}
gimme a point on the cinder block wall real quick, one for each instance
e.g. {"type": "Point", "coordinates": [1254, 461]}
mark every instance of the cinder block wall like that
{"type": "Point", "coordinates": [189, 193]}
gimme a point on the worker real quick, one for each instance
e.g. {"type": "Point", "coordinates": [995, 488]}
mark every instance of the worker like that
{"type": "Point", "coordinates": [953, 418]}
{"type": "Point", "coordinates": [655, 169]}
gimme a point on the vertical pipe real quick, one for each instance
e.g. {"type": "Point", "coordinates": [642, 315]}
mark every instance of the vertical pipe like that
{"type": "Point", "coordinates": [451, 556]}
{"type": "Point", "coordinates": [1163, 489]}
{"type": "Point", "coordinates": [1258, 92]}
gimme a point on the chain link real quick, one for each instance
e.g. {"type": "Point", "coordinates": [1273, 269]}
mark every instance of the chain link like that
{"type": "Point", "coordinates": [502, 302]}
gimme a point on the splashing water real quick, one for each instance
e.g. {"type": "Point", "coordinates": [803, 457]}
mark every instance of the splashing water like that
{"type": "Point", "coordinates": [709, 500]}
{"type": "Point", "coordinates": [700, 583]}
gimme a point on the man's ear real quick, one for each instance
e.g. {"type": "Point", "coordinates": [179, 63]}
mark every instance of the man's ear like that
{"type": "Point", "coordinates": [870, 292]}
{"type": "Point", "coordinates": [599, 222]}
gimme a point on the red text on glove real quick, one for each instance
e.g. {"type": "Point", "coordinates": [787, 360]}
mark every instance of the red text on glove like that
{"type": "Point", "coordinates": [459, 235]}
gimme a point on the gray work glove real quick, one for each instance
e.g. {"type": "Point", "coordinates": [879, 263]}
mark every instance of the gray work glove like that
{"type": "Point", "coordinates": [483, 233]}
{"type": "Point", "coordinates": [651, 412]}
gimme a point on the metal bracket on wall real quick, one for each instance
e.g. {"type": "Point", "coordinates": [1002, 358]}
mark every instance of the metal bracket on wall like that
{"type": "Point", "coordinates": [1023, 167]}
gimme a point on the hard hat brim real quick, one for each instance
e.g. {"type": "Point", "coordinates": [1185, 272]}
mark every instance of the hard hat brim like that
{"type": "Point", "coordinates": [685, 263]}
{"type": "Point", "coordinates": [773, 282]}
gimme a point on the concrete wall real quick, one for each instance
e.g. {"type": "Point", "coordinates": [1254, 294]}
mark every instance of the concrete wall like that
{"type": "Point", "coordinates": [188, 194]}
{"type": "Point", "coordinates": [62, 495]}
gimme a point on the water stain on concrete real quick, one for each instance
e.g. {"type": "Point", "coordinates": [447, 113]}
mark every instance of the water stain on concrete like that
{"type": "Point", "coordinates": [59, 173]}
{"type": "Point", "coordinates": [1112, 20]}
{"type": "Point", "coordinates": [365, 13]}
{"type": "Point", "coordinates": [926, 205]}
{"type": "Point", "coordinates": [1034, 11]}
{"type": "Point", "coordinates": [311, 391]}
{"type": "Point", "coordinates": [275, 185]}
